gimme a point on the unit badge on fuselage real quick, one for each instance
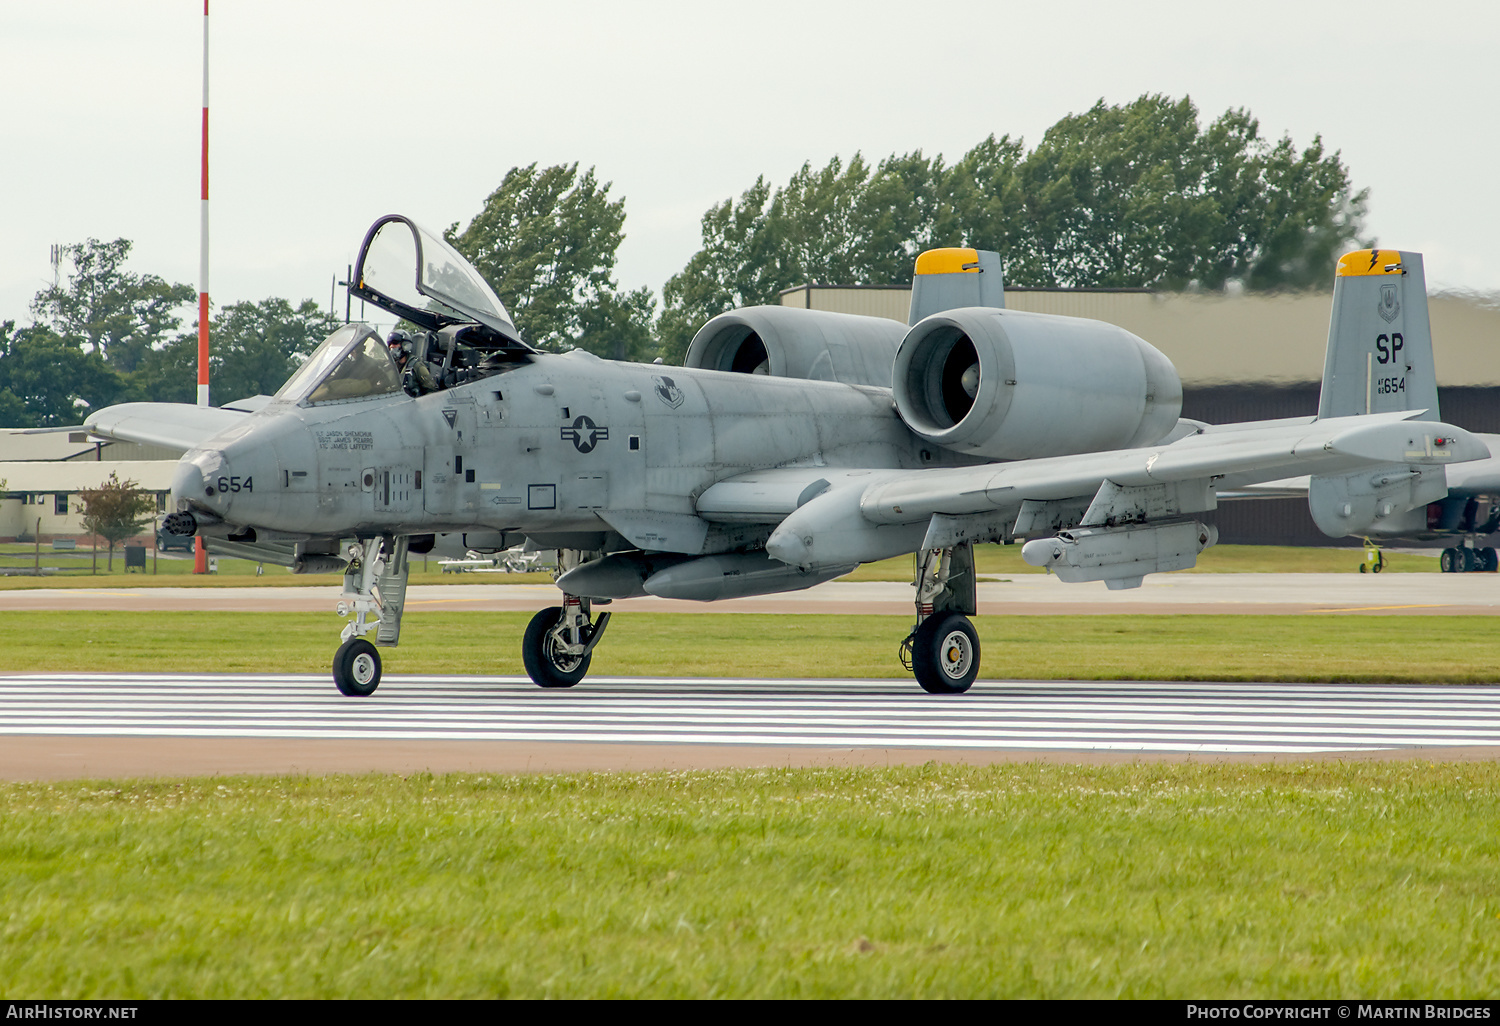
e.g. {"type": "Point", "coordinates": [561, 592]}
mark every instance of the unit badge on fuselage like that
{"type": "Point", "coordinates": [668, 392]}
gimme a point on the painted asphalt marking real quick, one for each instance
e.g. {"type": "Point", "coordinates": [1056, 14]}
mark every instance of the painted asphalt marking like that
{"type": "Point", "coordinates": [1077, 716]}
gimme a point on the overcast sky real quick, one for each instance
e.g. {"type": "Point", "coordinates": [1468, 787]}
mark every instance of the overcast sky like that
{"type": "Point", "coordinates": [325, 115]}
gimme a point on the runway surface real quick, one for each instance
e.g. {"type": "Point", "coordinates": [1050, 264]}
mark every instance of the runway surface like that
{"type": "Point", "coordinates": [58, 725]}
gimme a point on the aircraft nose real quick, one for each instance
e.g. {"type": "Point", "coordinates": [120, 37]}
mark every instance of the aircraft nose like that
{"type": "Point", "coordinates": [193, 483]}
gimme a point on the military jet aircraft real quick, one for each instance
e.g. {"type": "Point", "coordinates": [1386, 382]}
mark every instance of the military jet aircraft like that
{"type": "Point", "coordinates": [793, 446]}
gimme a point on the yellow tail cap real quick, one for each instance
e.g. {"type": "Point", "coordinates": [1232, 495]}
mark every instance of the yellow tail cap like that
{"type": "Point", "coordinates": [1369, 261]}
{"type": "Point", "coordinates": [948, 261]}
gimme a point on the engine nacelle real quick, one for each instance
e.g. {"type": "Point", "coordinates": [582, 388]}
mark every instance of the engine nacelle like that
{"type": "Point", "coordinates": [787, 342]}
{"type": "Point", "coordinates": [1005, 384]}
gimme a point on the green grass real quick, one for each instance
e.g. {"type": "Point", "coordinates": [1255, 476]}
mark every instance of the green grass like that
{"type": "Point", "coordinates": [1319, 647]}
{"type": "Point", "coordinates": [1144, 881]}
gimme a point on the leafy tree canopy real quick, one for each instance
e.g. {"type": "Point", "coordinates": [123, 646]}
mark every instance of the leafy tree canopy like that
{"type": "Point", "coordinates": [546, 242]}
{"type": "Point", "coordinates": [116, 510]}
{"type": "Point", "coordinates": [254, 348]}
{"type": "Point", "coordinates": [46, 381]}
{"type": "Point", "coordinates": [109, 311]}
{"type": "Point", "coordinates": [109, 335]}
{"type": "Point", "coordinates": [1134, 195]}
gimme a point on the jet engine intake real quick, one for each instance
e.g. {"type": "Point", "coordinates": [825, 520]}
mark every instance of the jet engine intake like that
{"type": "Point", "coordinates": [1006, 384]}
{"type": "Point", "coordinates": [786, 342]}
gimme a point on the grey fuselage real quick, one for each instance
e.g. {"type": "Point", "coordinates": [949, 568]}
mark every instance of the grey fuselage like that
{"type": "Point", "coordinates": [559, 444]}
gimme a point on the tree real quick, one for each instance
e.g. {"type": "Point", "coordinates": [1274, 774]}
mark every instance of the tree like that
{"type": "Point", "coordinates": [109, 311]}
{"type": "Point", "coordinates": [114, 511]}
{"type": "Point", "coordinates": [45, 381]}
{"type": "Point", "coordinates": [254, 348]}
{"type": "Point", "coordinates": [1133, 195]}
{"type": "Point", "coordinates": [546, 242]}
{"type": "Point", "coordinates": [834, 224]}
{"type": "Point", "coordinates": [1138, 195]}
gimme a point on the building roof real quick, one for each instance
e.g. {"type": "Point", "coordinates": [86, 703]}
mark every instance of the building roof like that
{"type": "Point", "coordinates": [1218, 338]}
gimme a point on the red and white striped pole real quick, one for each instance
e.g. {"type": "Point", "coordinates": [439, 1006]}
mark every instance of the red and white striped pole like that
{"type": "Point", "coordinates": [203, 236]}
{"type": "Point", "coordinates": [200, 553]}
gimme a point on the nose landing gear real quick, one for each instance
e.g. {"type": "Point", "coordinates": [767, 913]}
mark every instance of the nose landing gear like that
{"type": "Point", "coordinates": [374, 583]}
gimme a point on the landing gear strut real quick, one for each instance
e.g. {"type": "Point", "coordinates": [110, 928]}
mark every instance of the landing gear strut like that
{"type": "Point", "coordinates": [942, 649]}
{"type": "Point", "coordinates": [559, 643]}
{"type": "Point", "coordinates": [374, 583]}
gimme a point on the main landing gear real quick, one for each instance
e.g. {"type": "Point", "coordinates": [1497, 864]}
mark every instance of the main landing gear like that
{"type": "Point", "coordinates": [942, 649]}
{"type": "Point", "coordinates": [559, 643]}
{"type": "Point", "coordinates": [375, 592]}
{"type": "Point", "coordinates": [1466, 559]}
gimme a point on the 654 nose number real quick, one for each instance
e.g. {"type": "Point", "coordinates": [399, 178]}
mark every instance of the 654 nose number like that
{"type": "Point", "coordinates": [236, 484]}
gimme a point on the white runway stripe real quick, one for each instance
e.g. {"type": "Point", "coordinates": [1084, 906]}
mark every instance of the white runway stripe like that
{"type": "Point", "coordinates": [1104, 716]}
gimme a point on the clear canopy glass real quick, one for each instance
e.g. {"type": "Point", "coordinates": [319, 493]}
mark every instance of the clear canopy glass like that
{"type": "Point", "coordinates": [419, 272]}
{"type": "Point", "coordinates": [352, 363]}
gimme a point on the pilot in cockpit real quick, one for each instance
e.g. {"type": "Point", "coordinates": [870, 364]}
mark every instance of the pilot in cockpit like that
{"type": "Point", "coordinates": [416, 376]}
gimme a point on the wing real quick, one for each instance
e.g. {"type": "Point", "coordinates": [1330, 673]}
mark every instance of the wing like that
{"type": "Point", "coordinates": [172, 425]}
{"type": "Point", "coordinates": [830, 518]}
{"type": "Point", "coordinates": [1226, 458]}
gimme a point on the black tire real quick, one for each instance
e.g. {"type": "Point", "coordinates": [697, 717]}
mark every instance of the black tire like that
{"type": "Point", "coordinates": [1489, 560]}
{"type": "Point", "coordinates": [945, 654]}
{"type": "Point", "coordinates": [356, 668]}
{"type": "Point", "coordinates": [1468, 561]}
{"type": "Point", "coordinates": [547, 667]}
{"type": "Point", "coordinates": [1361, 568]}
{"type": "Point", "coordinates": [1447, 562]}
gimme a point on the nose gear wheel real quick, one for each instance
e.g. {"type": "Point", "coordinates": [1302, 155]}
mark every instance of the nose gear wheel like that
{"type": "Point", "coordinates": [945, 654]}
{"type": "Point", "coordinates": [356, 668]}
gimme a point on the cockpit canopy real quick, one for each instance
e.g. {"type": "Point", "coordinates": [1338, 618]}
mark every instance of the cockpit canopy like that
{"type": "Point", "coordinates": [416, 275]}
{"type": "Point", "coordinates": [352, 363]}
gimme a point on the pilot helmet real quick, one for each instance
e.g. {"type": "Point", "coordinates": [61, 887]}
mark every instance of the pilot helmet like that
{"type": "Point", "coordinates": [399, 343]}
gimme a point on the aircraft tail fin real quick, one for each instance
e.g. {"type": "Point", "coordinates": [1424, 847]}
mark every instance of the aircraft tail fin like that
{"type": "Point", "coordinates": [1379, 339]}
{"type": "Point", "coordinates": [949, 279]}
{"type": "Point", "coordinates": [1379, 361]}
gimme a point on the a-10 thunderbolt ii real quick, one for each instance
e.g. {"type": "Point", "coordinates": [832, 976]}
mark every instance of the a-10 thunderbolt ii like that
{"type": "Point", "coordinates": [793, 446]}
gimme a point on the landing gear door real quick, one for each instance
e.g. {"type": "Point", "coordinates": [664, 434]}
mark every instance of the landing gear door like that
{"type": "Point", "coordinates": [416, 275]}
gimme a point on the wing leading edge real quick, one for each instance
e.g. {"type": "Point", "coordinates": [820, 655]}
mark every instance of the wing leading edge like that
{"type": "Point", "coordinates": [171, 425]}
{"type": "Point", "coordinates": [837, 517]}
